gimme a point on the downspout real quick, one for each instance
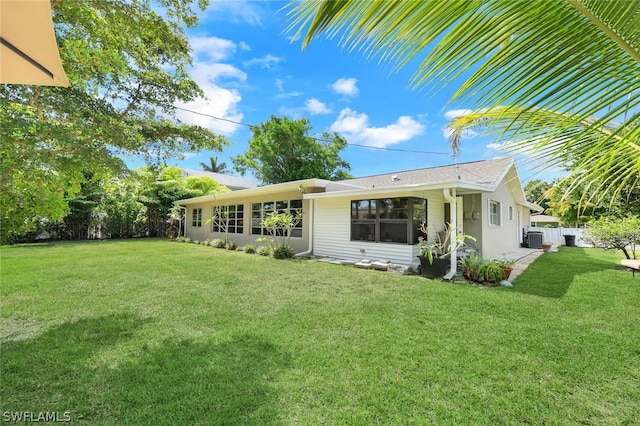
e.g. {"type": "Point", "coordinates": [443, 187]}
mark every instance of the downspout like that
{"type": "Point", "coordinates": [450, 196]}
{"type": "Point", "coordinates": [310, 248]}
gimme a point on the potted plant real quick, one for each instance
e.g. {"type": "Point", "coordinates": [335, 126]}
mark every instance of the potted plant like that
{"type": "Point", "coordinates": [546, 246]}
{"type": "Point", "coordinates": [471, 266]}
{"type": "Point", "coordinates": [434, 256]}
{"type": "Point", "coordinates": [505, 264]}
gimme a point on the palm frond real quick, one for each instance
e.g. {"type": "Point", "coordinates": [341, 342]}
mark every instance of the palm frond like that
{"type": "Point", "coordinates": [601, 158]}
{"type": "Point", "coordinates": [521, 58]}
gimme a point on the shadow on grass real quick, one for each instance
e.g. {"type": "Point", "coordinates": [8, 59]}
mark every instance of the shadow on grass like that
{"type": "Point", "coordinates": [551, 275]}
{"type": "Point", "coordinates": [175, 382]}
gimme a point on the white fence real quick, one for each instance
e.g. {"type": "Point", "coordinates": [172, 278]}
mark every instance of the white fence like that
{"type": "Point", "coordinates": [556, 235]}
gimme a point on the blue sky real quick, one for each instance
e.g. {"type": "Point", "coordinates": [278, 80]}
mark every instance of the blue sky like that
{"type": "Point", "coordinates": [250, 68]}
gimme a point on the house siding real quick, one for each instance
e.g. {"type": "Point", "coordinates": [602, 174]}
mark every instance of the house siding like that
{"type": "Point", "coordinates": [498, 240]}
{"type": "Point", "coordinates": [203, 233]}
{"type": "Point", "coordinates": [332, 231]}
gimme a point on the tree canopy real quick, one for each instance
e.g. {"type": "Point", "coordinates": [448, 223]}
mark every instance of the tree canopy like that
{"type": "Point", "coordinates": [127, 64]}
{"type": "Point", "coordinates": [283, 150]}
{"type": "Point", "coordinates": [558, 79]}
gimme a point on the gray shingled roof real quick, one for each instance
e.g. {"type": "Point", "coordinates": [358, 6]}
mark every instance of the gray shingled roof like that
{"type": "Point", "coordinates": [485, 172]}
{"type": "Point", "coordinates": [230, 181]}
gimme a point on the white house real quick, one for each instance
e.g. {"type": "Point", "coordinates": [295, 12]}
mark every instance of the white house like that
{"type": "Point", "coordinates": [377, 217]}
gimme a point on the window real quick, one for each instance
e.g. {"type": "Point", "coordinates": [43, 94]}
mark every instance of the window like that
{"type": "Point", "coordinates": [447, 212]}
{"type": "Point", "coordinates": [196, 218]}
{"type": "Point", "coordinates": [228, 219]}
{"type": "Point", "coordinates": [494, 213]}
{"type": "Point", "coordinates": [388, 220]}
{"type": "Point", "coordinates": [510, 212]}
{"type": "Point", "coordinates": [260, 210]}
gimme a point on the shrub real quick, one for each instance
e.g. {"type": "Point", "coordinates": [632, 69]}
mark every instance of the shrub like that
{"type": "Point", "coordinates": [264, 251]}
{"type": "Point", "coordinates": [231, 245]}
{"type": "Point", "coordinates": [187, 240]}
{"type": "Point", "coordinates": [472, 265]}
{"type": "Point", "coordinates": [503, 262]}
{"type": "Point", "coordinates": [492, 272]}
{"type": "Point", "coordinates": [283, 252]}
{"type": "Point", "coordinates": [250, 248]}
{"type": "Point", "coordinates": [218, 243]}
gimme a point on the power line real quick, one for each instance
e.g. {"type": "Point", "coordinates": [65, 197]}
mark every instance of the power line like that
{"type": "Point", "coordinates": [399, 149]}
{"type": "Point", "coordinates": [251, 126]}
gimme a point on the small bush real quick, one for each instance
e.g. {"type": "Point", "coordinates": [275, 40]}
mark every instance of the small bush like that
{"type": "Point", "coordinates": [283, 252]}
{"type": "Point", "coordinates": [263, 251]}
{"type": "Point", "coordinates": [492, 272]}
{"type": "Point", "coordinates": [218, 243]}
{"type": "Point", "coordinates": [250, 248]}
{"type": "Point", "coordinates": [188, 240]}
{"type": "Point", "coordinates": [231, 245]}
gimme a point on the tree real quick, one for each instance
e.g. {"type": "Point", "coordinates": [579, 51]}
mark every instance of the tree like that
{"type": "Point", "coordinates": [280, 226]}
{"type": "Point", "coordinates": [282, 150]}
{"type": "Point", "coordinates": [214, 167]}
{"type": "Point", "coordinates": [559, 78]}
{"type": "Point", "coordinates": [536, 191]}
{"type": "Point", "coordinates": [578, 207]}
{"type": "Point", "coordinates": [122, 213]}
{"type": "Point", "coordinates": [616, 233]}
{"type": "Point", "coordinates": [82, 219]}
{"type": "Point", "coordinates": [127, 64]}
{"type": "Point", "coordinates": [160, 188]}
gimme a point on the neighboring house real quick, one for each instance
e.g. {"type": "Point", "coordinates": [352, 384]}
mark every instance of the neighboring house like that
{"type": "Point", "coordinates": [544, 221]}
{"type": "Point", "coordinates": [234, 183]}
{"type": "Point", "coordinates": [377, 217]}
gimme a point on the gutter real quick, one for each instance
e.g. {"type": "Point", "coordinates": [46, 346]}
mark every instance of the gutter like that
{"type": "Point", "coordinates": [310, 249]}
{"type": "Point", "coordinates": [411, 188]}
{"type": "Point", "coordinates": [450, 196]}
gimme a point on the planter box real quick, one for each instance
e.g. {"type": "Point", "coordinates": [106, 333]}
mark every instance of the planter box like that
{"type": "Point", "coordinates": [437, 269]}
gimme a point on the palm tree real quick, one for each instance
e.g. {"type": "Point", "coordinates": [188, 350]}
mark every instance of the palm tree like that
{"type": "Point", "coordinates": [559, 79]}
{"type": "Point", "coordinates": [214, 167]}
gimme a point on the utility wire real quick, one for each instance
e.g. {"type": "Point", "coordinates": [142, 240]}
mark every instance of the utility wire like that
{"type": "Point", "coordinates": [252, 126]}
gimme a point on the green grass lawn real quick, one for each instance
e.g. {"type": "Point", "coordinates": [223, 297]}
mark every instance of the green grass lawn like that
{"type": "Point", "coordinates": [157, 332]}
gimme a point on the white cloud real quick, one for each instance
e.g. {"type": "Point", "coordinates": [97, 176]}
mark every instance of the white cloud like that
{"type": "Point", "coordinates": [265, 62]}
{"type": "Point", "coordinates": [355, 127]}
{"type": "Point", "coordinates": [212, 48]}
{"type": "Point", "coordinates": [244, 46]}
{"type": "Point", "coordinates": [285, 95]}
{"type": "Point", "coordinates": [288, 95]}
{"type": "Point", "coordinates": [214, 78]}
{"type": "Point", "coordinates": [235, 11]}
{"type": "Point", "coordinates": [453, 113]}
{"type": "Point", "coordinates": [316, 107]}
{"type": "Point", "coordinates": [346, 86]}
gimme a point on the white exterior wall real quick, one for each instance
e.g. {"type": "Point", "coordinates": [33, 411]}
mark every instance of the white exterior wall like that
{"type": "Point", "coordinates": [203, 233]}
{"type": "Point", "coordinates": [497, 240]}
{"type": "Point", "coordinates": [332, 231]}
